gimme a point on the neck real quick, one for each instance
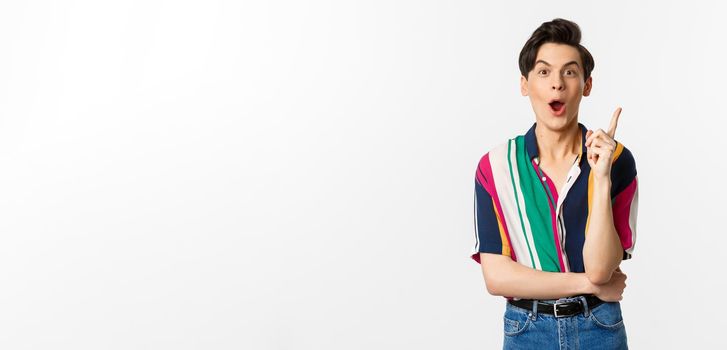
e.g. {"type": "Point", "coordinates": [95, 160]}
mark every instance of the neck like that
{"type": "Point", "coordinates": [559, 145]}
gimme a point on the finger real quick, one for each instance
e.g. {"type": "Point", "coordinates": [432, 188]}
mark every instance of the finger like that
{"type": "Point", "coordinates": [600, 134]}
{"type": "Point", "coordinates": [614, 123]}
{"type": "Point", "coordinates": [596, 142]}
{"type": "Point", "coordinates": [588, 134]}
{"type": "Point", "coordinates": [600, 148]}
{"type": "Point", "coordinates": [594, 152]}
{"type": "Point", "coordinates": [595, 134]}
{"type": "Point", "coordinates": [591, 136]}
{"type": "Point", "coordinates": [601, 152]}
{"type": "Point", "coordinates": [601, 143]}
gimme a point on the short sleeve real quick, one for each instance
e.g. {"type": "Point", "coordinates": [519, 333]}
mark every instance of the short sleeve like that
{"type": "Point", "coordinates": [625, 199]}
{"type": "Point", "coordinates": [487, 226]}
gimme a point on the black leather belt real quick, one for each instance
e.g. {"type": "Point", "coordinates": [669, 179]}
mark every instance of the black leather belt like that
{"type": "Point", "coordinates": [560, 308]}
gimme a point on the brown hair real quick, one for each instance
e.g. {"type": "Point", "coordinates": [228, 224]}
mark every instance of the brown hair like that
{"type": "Point", "coordinates": [559, 31]}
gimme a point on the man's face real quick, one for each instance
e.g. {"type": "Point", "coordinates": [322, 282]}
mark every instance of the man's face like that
{"type": "Point", "coordinates": [556, 85]}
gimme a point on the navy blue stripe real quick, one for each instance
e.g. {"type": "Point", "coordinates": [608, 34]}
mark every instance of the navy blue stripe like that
{"type": "Point", "coordinates": [623, 172]}
{"type": "Point", "coordinates": [575, 213]}
{"type": "Point", "coordinates": [487, 229]}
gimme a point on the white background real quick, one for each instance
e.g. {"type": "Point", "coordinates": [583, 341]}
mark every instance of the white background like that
{"type": "Point", "coordinates": [300, 175]}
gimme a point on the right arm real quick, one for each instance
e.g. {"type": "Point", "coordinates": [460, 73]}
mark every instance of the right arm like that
{"type": "Point", "coordinates": [505, 277]}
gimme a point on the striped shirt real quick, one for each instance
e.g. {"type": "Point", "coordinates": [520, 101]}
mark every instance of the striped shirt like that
{"type": "Point", "coordinates": [519, 213]}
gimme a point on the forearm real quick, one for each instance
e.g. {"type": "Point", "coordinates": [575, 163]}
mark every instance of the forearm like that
{"type": "Point", "coordinates": [516, 280]}
{"type": "Point", "coordinates": [602, 251]}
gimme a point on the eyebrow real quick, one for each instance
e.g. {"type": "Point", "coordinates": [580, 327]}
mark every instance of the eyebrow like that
{"type": "Point", "coordinates": [548, 64]}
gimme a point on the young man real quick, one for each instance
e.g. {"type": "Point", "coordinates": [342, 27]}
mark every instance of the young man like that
{"type": "Point", "coordinates": [555, 208]}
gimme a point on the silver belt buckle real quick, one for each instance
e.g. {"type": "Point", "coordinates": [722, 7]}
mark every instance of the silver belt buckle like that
{"type": "Point", "coordinates": [555, 309]}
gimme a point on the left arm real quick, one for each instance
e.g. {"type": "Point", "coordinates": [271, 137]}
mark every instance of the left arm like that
{"type": "Point", "coordinates": [602, 251]}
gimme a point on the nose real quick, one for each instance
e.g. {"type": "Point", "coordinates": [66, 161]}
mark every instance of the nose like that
{"type": "Point", "coordinates": [558, 84]}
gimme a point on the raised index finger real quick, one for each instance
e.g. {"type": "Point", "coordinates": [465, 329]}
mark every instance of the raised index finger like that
{"type": "Point", "coordinates": [614, 123]}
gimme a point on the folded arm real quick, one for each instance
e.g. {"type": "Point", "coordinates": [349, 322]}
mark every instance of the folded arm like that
{"type": "Point", "coordinates": [505, 277]}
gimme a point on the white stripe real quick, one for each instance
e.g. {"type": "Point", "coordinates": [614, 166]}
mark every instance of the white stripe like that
{"type": "Point", "coordinates": [477, 232]}
{"type": "Point", "coordinates": [561, 225]}
{"type": "Point", "coordinates": [573, 174]}
{"type": "Point", "coordinates": [510, 219]}
{"type": "Point", "coordinates": [521, 203]}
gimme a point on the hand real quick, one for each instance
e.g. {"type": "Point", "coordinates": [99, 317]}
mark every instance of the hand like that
{"type": "Point", "coordinates": [613, 289]}
{"type": "Point", "coordinates": [600, 146]}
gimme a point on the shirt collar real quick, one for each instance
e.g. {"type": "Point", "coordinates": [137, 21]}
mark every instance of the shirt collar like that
{"type": "Point", "coordinates": [531, 143]}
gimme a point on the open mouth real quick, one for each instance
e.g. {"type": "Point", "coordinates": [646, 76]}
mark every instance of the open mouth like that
{"type": "Point", "coordinates": [557, 107]}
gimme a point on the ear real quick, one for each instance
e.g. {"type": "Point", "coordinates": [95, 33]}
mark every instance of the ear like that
{"type": "Point", "coordinates": [523, 86]}
{"type": "Point", "coordinates": [588, 86]}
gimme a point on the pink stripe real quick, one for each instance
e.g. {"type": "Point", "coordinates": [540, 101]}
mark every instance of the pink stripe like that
{"type": "Point", "coordinates": [551, 185]}
{"type": "Point", "coordinates": [480, 172]}
{"type": "Point", "coordinates": [621, 212]}
{"type": "Point", "coordinates": [486, 168]}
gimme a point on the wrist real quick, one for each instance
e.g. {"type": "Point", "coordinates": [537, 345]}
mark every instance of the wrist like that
{"type": "Point", "coordinates": [587, 287]}
{"type": "Point", "coordinates": [603, 182]}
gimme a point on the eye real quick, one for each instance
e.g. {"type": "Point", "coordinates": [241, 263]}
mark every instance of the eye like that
{"type": "Point", "coordinates": [541, 71]}
{"type": "Point", "coordinates": [571, 71]}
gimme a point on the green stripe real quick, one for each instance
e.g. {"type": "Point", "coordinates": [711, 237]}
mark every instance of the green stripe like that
{"type": "Point", "coordinates": [517, 201]}
{"type": "Point", "coordinates": [537, 208]}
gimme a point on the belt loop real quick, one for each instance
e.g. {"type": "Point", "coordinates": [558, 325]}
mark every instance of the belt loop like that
{"type": "Point", "coordinates": [535, 309]}
{"type": "Point", "coordinates": [585, 306]}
